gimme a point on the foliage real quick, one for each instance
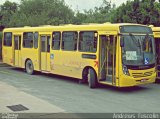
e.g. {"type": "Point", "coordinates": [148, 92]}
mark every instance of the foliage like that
{"type": "Point", "coordinates": [138, 11]}
{"type": "Point", "coordinates": [55, 12]}
{"type": "Point", "coordinates": [38, 12]}
{"type": "Point", "coordinates": [97, 15]}
{"type": "Point", "coordinates": [6, 12]}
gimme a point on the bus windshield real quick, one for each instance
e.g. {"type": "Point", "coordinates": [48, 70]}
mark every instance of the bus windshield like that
{"type": "Point", "coordinates": [138, 50]}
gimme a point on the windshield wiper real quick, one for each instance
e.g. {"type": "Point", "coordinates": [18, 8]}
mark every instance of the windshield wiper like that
{"type": "Point", "coordinates": [135, 40]}
{"type": "Point", "coordinates": [147, 37]}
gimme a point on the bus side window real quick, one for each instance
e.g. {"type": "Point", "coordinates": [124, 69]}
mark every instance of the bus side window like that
{"type": "Point", "coordinates": [48, 43]}
{"type": "Point", "coordinates": [16, 44]}
{"type": "Point", "coordinates": [56, 37]}
{"type": "Point", "coordinates": [28, 40]}
{"type": "Point", "coordinates": [69, 41]}
{"type": "Point", "coordinates": [88, 41]}
{"type": "Point", "coordinates": [36, 40]}
{"type": "Point", "coordinates": [8, 39]}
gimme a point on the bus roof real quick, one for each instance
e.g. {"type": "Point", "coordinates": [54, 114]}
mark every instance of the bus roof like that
{"type": "Point", "coordinates": [156, 32]}
{"type": "Point", "coordinates": [155, 29]}
{"type": "Point", "coordinates": [90, 26]}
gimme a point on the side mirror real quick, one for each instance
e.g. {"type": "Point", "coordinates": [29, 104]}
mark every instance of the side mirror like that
{"type": "Point", "coordinates": [53, 35]}
{"type": "Point", "coordinates": [122, 42]}
{"type": "Point", "coordinates": [95, 34]}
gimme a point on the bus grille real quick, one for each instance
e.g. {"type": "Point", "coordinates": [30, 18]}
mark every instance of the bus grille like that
{"type": "Point", "coordinates": [139, 75]}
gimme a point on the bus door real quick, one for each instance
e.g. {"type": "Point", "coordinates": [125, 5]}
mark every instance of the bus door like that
{"type": "Point", "coordinates": [17, 49]}
{"type": "Point", "coordinates": [108, 59]}
{"type": "Point", "coordinates": [45, 53]}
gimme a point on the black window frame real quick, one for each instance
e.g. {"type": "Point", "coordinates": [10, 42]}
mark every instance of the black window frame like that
{"type": "Point", "coordinates": [135, 29]}
{"type": "Point", "coordinates": [35, 39]}
{"type": "Point", "coordinates": [43, 39]}
{"type": "Point", "coordinates": [5, 42]}
{"type": "Point", "coordinates": [30, 40]}
{"type": "Point", "coordinates": [48, 38]}
{"type": "Point", "coordinates": [76, 41]}
{"type": "Point", "coordinates": [95, 42]}
{"type": "Point", "coordinates": [53, 41]}
{"type": "Point", "coordinates": [16, 46]}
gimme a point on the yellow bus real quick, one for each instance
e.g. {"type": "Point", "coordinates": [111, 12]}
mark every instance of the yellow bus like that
{"type": "Point", "coordinates": [156, 32]}
{"type": "Point", "coordinates": [121, 55]}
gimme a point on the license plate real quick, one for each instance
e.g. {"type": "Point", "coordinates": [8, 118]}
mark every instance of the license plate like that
{"type": "Point", "coordinates": [144, 80]}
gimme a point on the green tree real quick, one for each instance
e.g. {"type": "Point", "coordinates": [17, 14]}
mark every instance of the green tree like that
{"type": "Point", "coordinates": [97, 15]}
{"type": "Point", "coordinates": [42, 12]}
{"type": "Point", "coordinates": [6, 12]}
{"type": "Point", "coordinates": [138, 11]}
{"type": "Point", "coordinates": [55, 12]}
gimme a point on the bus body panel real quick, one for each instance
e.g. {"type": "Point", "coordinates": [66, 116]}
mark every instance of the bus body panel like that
{"type": "Point", "coordinates": [70, 63]}
{"type": "Point", "coordinates": [30, 54]}
{"type": "Point", "coordinates": [139, 78]}
{"type": "Point", "coordinates": [17, 45]}
{"type": "Point", "coordinates": [7, 54]}
{"type": "Point", "coordinates": [73, 63]}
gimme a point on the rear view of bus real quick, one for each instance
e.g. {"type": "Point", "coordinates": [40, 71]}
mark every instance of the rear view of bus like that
{"type": "Point", "coordinates": [137, 54]}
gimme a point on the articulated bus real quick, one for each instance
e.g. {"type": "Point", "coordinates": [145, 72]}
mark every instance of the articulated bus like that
{"type": "Point", "coordinates": [120, 55]}
{"type": "Point", "coordinates": [156, 32]}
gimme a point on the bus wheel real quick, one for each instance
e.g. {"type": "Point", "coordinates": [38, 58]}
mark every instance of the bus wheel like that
{"type": "Point", "coordinates": [29, 67]}
{"type": "Point", "coordinates": [92, 78]}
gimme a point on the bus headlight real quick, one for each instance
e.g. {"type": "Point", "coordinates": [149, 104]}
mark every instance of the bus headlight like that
{"type": "Point", "coordinates": [125, 70]}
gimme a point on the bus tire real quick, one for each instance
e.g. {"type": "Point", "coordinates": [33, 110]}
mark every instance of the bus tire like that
{"type": "Point", "coordinates": [29, 67]}
{"type": "Point", "coordinates": [92, 78]}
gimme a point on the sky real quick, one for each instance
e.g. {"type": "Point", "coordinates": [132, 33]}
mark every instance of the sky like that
{"type": "Point", "coordinates": [81, 4]}
{"type": "Point", "coordinates": [88, 4]}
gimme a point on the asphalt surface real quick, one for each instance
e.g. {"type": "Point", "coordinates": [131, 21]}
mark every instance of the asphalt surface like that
{"type": "Point", "coordinates": [69, 95]}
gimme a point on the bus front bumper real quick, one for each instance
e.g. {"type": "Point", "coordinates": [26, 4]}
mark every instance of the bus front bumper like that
{"type": "Point", "coordinates": [128, 81]}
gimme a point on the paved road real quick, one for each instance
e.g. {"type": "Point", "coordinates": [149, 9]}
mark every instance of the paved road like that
{"type": "Point", "coordinates": [70, 96]}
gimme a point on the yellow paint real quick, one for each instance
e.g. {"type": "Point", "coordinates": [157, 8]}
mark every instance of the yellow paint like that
{"type": "Point", "coordinates": [7, 55]}
{"type": "Point", "coordinates": [17, 60]}
{"type": "Point", "coordinates": [43, 61]}
{"type": "Point", "coordinates": [69, 63]}
{"type": "Point", "coordinates": [131, 81]}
